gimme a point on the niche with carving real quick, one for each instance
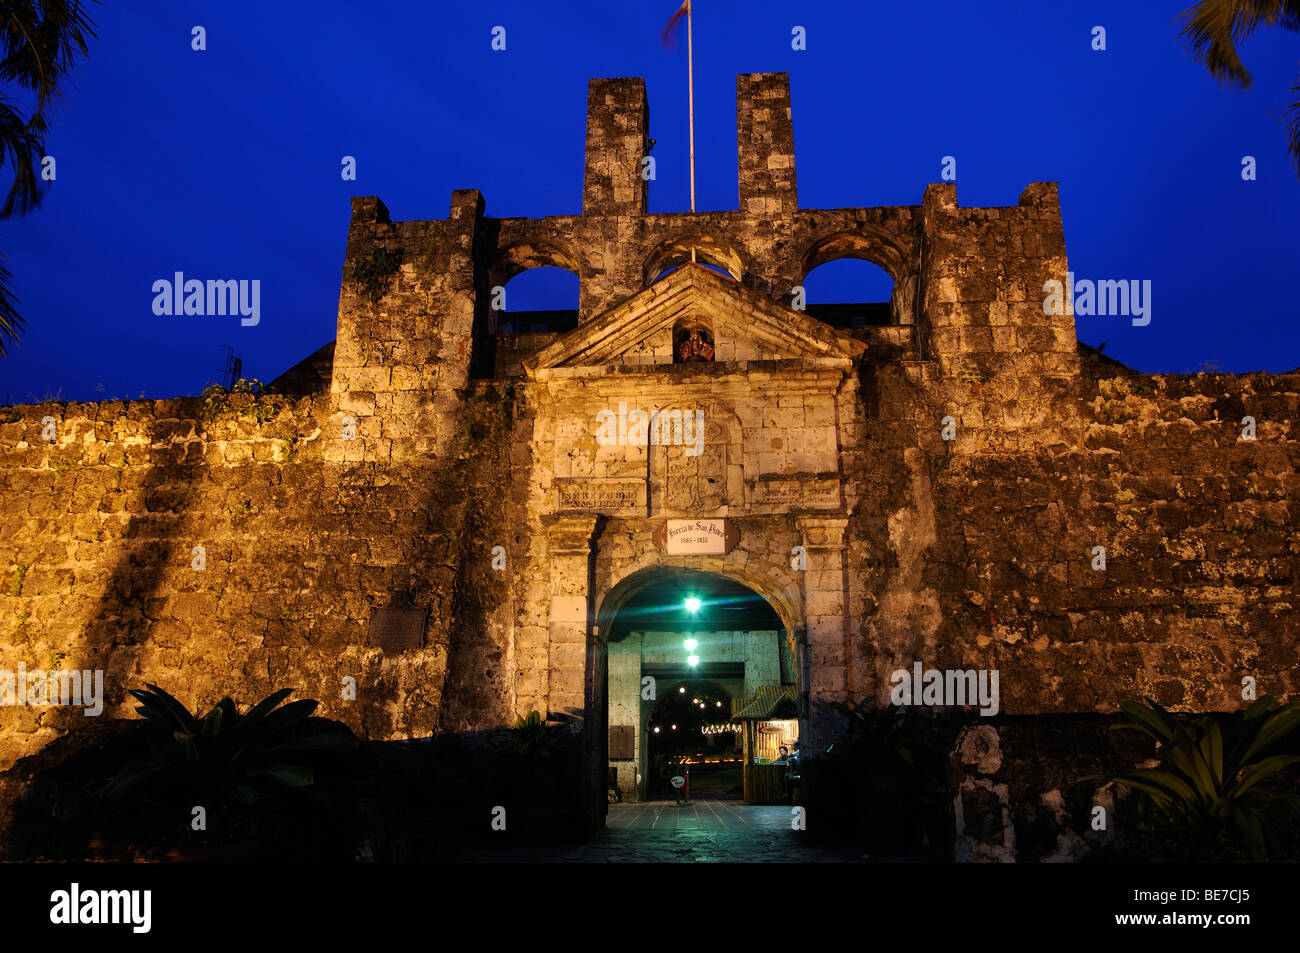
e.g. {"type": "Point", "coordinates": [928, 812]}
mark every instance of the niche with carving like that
{"type": "Point", "coordinates": [692, 343]}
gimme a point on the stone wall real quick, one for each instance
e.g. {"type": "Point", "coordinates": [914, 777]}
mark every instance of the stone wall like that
{"type": "Point", "coordinates": [97, 544]}
{"type": "Point", "coordinates": [979, 552]}
{"type": "Point", "coordinates": [974, 553]}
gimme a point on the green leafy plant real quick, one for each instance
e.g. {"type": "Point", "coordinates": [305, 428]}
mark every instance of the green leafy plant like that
{"type": "Point", "coordinates": [1214, 793]}
{"type": "Point", "coordinates": [42, 42]}
{"type": "Point", "coordinates": [882, 733]}
{"type": "Point", "coordinates": [452, 537]}
{"type": "Point", "coordinates": [63, 466]}
{"type": "Point", "coordinates": [974, 375]}
{"type": "Point", "coordinates": [503, 401]}
{"type": "Point", "coordinates": [216, 401]}
{"type": "Point", "coordinates": [225, 755]}
{"type": "Point", "coordinates": [532, 739]}
{"type": "Point", "coordinates": [372, 272]}
{"type": "Point", "coordinates": [885, 761]}
{"type": "Point", "coordinates": [1212, 29]}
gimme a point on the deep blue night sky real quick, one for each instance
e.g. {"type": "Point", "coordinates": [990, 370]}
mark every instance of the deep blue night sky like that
{"type": "Point", "coordinates": [225, 163]}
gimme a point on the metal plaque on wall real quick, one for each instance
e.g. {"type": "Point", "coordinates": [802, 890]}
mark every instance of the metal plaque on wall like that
{"type": "Point", "coordinates": [396, 629]}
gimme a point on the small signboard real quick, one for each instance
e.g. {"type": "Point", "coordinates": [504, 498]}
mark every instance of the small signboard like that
{"type": "Point", "coordinates": [622, 742]}
{"type": "Point", "coordinates": [696, 537]}
{"type": "Point", "coordinates": [396, 629]}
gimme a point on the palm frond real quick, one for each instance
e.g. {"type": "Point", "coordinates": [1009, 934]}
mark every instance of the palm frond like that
{"type": "Point", "coordinates": [1209, 795]}
{"type": "Point", "coordinates": [11, 322]}
{"type": "Point", "coordinates": [1293, 127]}
{"type": "Point", "coordinates": [1213, 28]}
{"type": "Point", "coordinates": [40, 40]}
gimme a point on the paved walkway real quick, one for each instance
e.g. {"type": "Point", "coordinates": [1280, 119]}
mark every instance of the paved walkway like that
{"type": "Point", "coordinates": [712, 815]}
{"type": "Point", "coordinates": [705, 831]}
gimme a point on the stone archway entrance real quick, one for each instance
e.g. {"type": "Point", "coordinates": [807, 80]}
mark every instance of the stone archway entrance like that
{"type": "Point", "coordinates": [596, 566]}
{"type": "Point", "coordinates": [706, 637]}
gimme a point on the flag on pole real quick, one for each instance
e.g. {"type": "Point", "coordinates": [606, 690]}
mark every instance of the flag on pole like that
{"type": "Point", "coordinates": [673, 30]}
{"type": "Point", "coordinates": [668, 36]}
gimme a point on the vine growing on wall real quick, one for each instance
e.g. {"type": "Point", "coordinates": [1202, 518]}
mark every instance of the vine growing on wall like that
{"type": "Point", "coordinates": [373, 272]}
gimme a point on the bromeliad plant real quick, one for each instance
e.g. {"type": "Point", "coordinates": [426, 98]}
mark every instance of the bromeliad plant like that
{"type": "Point", "coordinates": [883, 734]}
{"type": "Point", "coordinates": [532, 739]}
{"type": "Point", "coordinates": [226, 755]}
{"type": "Point", "coordinates": [1214, 792]}
{"type": "Point", "coordinates": [891, 758]}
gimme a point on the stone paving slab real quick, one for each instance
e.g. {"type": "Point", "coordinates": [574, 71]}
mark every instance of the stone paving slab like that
{"type": "Point", "coordinates": [671, 847]}
{"type": "Point", "coordinates": [661, 832]}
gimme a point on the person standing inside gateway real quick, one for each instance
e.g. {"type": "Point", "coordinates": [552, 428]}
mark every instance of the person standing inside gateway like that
{"type": "Point", "coordinates": [792, 773]}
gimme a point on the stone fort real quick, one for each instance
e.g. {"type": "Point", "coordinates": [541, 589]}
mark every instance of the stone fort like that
{"type": "Point", "coordinates": [469, 517]}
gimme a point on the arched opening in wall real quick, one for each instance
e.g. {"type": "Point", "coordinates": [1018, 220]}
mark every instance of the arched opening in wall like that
{"type": "Point", "coordinates": [710, 252]}
{"type": "Point", "coordinates": [862, 278]}
{"type": "Point", "coordinates": [530, 294]}
{"type": "Point", "coordinates": [687, 651]}
{"type": "Point", "coordinates": [849, 293]}
{"type": "Point", "coordinates": [539, 301]}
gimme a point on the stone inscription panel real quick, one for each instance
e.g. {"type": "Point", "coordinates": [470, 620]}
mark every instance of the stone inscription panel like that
{"type": "Point", "coordinates": [691, 476]}
{"type": "Point", "coordinates": [600, 496]}
{"type": "Point", "coordinates": [796, 493]}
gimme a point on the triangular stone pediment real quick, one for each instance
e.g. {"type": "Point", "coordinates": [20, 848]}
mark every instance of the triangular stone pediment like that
{"type": "Point", "coordinates": [745, 325]}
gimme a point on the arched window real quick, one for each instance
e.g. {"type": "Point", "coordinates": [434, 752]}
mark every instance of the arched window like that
{"type": "Point", "coordinates": [540, 301]}
{"type": "Point", "coordinates": [849, 293]}
{"type": "Point", "coordinates": [861, 277]}
{"type": "Point", "coordinates": [540, 281]}
{"type": "Point", "coordinates": [710, 252]}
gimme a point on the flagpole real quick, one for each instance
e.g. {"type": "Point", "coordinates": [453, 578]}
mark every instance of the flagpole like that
{"type": "Point", "coordinates": [690, 84]}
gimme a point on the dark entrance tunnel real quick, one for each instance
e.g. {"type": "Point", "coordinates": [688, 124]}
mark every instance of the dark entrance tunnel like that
{"type": "Point", "coordinates": [688, 730]}
{"type": "Point", "coordinates": [685, 649]}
